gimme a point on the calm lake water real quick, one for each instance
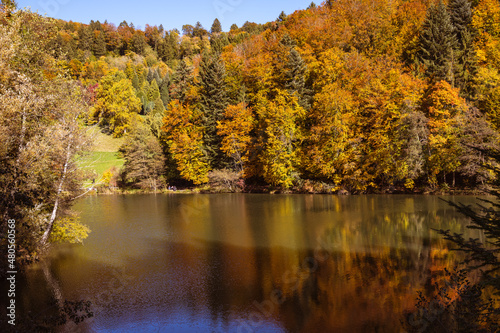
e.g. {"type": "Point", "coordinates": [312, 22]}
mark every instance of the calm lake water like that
{"type": "Point", "coordinates": [249, 262]}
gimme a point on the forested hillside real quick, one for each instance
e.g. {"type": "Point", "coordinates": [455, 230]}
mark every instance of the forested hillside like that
{"type": "Point", "coordinates": [353, 95]}
{"type": "Point", "coordinates": [350, 95]}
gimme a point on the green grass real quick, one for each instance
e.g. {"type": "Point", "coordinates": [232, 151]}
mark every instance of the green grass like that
{"type": "Point", "coordinates": [100, 161]}
{"type": "Point", "coordinates": [104, 154]}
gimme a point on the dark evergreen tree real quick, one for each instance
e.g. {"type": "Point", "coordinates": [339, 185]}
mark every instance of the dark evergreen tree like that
{"type": "Point", "coordinates": [437, 44]}
{"type": "Point", "coordinates": [234, 27]}
{"type": "Point", "coordinates": [85, 40]}
{"type": "Point", "coordinates": [288, 41]}
{"type": "Point", "coordinates": [157, 77]}
{"type": "Point", "coordinates": [135, 81]}
{"type": "Point", "coordinates": [164, 90]}
{"type": "Point", "coordinates": [282, 17]}
{"type": "Point", "coordinates": [295, 76]}
{"type": "Point", "coordinates": [465, 62]}
{"type": "Point", "coordinates": [139, 43]}
{"type": "Point", "coordinates": [183, 77]}
{"type": "Point", "coordinates": [150, 76]}
{"type": "Point", "coordinates": [217, 43]}
{"type": "Point", "coordinates": [213, 102]}
{"type": "Point", "coordinates": [216, 27]}
{"type": "Point", "coordinates": [99, 45]}
{"type": "Point", "coordinates": [312, 6]}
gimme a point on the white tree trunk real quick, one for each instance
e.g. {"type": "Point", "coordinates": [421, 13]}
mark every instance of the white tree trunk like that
{"type": "Point", "coordinates": [53, 216]}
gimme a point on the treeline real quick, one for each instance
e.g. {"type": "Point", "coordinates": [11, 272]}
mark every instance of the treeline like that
{"type": "Point", "coordinates": [352, 96]}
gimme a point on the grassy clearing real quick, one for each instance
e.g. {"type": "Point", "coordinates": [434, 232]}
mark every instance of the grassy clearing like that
{"type": "Point", "coordinates": [100, 161]}
{"type": "Point", "coordinates": [104, 154]}
{"type": "Point", "coordinates": [104, 142]}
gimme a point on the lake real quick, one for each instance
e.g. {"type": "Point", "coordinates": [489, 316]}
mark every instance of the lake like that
{"type": "Point", "coordinates": [248, 262]}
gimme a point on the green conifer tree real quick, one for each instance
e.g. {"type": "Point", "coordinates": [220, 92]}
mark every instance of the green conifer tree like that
{"type": "Point", "coordinates": [85, 41]}
{"type": "Point", "coordinates": [465, 61]}
{"type": "Point", "coordinates": [164, 89]}
{"type": "Point", "coordinates": [153, 91]}
{"type": "Point", "coordinates": [135, 81]}
{"type": "Point", "coordinates": [183, 78]}
{"type": "Point", "coordinates": [295, 76]}
{"type": "Point", "coordinates": [437, 44]}
{"type": "Point", "coordinates": [150, 76]}
{"type": "Point", "coordinates": [216, 27]}
{"type": "Point", "coordinates": [99, 44]}
{"type": "Point", "coordinates": [157, 77]}
{"type": "Point", "coordinates": [214, 100]}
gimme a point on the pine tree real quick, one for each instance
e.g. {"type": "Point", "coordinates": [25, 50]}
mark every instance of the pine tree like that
{"type": "Point", "coordinates": [85, 41]}
{"type": "Point", "coordinates": [150, 76]}
{"type": "Point", "coordinates": [135, 81]}
{"type": "Point", "coordinates": [295, 79]}
{"type": "Point", "coordinates": [465, 64]}
{"type": "Point", "coordinates": [214, 101]}
{"type": "Point", "coordinates": [164, 89]}
{"type": "Point", "coordinates": [282, 17]}
{"type": "Point", "coordinates": [216, 27]}
{"type": "Point", "coordinates": [157, 77]}
{"type": "Point", "coordinates": [183, 78]}
{"type": "Point", "coordinates": [153, 91]}
{"type": "Point", "coordinates": [437, 44]}
{"type": "Point", "coordinates": [99, 45]}
{"type": "Point", "coordinates": [218, 43]}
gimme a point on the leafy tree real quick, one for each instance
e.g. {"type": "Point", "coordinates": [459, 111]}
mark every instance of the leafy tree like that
{"type": "Point", "coordinates": [443, 107]}
{"type": "Point", "coordinates": [280, 158]}
{"type": "Point", "coordinates": [139, 43]}
{"type": "Point", "coordinates": [199, 31]}
{"type": "Point", "coordinates": [329, 150]}
{"type": "Point", "coordinates": [40, 134]}
{"type": "Point", "coordinates": [117, 106]}
{"type": "Point", "coordinates": [184, 142]}
{"type": "Point", "coordinates": [235, 130]}
{"type": "Point", "coordinates": [144, 160]}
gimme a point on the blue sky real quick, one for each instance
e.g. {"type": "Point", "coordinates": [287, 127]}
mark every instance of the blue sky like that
{"type": "Point", "coordinates": [172, 14]}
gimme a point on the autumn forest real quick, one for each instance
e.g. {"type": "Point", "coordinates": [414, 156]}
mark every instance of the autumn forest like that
{"type": "Point", "coordinates": [347, 96]}
{"type": "Point", "coordinates": [352, 95]}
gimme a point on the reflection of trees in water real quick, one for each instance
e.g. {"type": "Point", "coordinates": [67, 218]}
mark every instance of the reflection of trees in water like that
{"type": "Point", "coordinates": [372, 270]}
{"type": "Point", "coordinates": [50, 312]}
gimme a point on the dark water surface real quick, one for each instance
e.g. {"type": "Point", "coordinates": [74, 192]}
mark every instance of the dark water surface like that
{"type": "Point", "coordinates": [249, 262]}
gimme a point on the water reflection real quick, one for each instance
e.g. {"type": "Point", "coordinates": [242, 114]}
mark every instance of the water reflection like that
{"type": "Point", "coordinates": [244, 263]}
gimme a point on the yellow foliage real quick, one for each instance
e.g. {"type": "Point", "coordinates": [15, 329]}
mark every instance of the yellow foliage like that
{"type": "Point", "coordinates": [69, 230]}
{"type": "Point", "coordinates": [235, 129]}
{"type": "Point", "coordinates": [184, 139]}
